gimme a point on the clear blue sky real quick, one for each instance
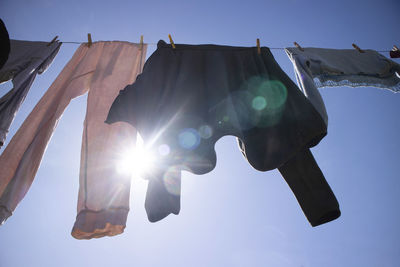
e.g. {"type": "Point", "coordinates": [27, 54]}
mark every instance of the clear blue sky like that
{"type": "Point", "coordinates": [235, 215]}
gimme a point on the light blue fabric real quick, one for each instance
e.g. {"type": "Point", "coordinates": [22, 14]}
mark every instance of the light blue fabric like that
{"type": "Point", "coordinates": [321, 67]}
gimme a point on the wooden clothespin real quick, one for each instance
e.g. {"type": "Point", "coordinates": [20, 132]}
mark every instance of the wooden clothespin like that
{"type": "Point", "coordinates": [52, 41]}
{"type": "Point", "coordinates": [141, 42]}
{"type": "Point", "coordinates": [89, 38]}
{"type": "Point", "coordinates": [298, 46]}
{"type": "Point", "coordinates": [358, 48]}
{"type": "Point", "coordinates": [258, 46]}
{"type": "Point", "coordinates": [171, 41]}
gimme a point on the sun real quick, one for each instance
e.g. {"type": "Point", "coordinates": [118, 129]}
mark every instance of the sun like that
{"type": "Point", "coordinates": [135, 161]}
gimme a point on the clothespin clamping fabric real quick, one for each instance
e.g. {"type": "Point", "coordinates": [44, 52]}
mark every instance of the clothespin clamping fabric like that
{"type": "Point", "coordinates": [171, 41]}
{"type": "Point", "coordinates": [89, 37]}
{"type": "Point", "coordinates": [258, 46]}
{"type": "Point", "coordinates": [53, 40]}
{"type": "Point", "coordinates": [395, 52]}
{"type": "Point", "coordinates": [298, 46]}
{"type": "Point", "coordinates": [141, 43]}
{"type": "Point", "coordinates": [358, 48]}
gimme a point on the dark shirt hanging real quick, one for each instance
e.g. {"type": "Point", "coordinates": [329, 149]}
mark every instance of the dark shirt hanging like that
{"type": "Point", "coordinates": [188, 97]}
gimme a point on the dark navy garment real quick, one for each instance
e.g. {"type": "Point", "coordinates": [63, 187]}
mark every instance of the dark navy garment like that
{"type": "Point", "coordinates": [4, 44]}
{"type": "Point", "coordinates": [187, 98]}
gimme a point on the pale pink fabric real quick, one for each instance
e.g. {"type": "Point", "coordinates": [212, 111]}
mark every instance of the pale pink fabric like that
{"type": "Point", "coordinates": [103, 202]}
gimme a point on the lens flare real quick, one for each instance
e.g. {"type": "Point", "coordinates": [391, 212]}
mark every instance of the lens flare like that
{"type": "Point", "coordinates": [205, 131]}
{"type": "Point", "coordinates": [163, 150]}
{"type": "Point", "coordinates": [189, 138]}
{"type": "Point", "coordinates": [268, 103]}
{"type": "Point", "coordinates": [135, 161]}
{"type": "Point", "coordinates": [172, 181]}
{"type": "Point", "coordinates": [259, 103]}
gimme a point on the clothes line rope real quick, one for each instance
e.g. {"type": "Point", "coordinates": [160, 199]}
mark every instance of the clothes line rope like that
{"type": "Point", "coordinates": [274, 48]}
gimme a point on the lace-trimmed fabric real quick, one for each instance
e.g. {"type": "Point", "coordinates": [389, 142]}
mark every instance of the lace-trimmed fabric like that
{"type": "Point", "coordinates": [321, 67]}
{"type": "Point", "coordinates": [358, 81]}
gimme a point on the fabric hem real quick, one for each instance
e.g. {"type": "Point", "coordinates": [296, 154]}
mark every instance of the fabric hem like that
{"type": "Point", "coordinates": [95, 224]}
{"type": "Point", "coordinates": [5, 213]}
{"type": "Point", "coordinates": [327, 217]}
{"type": "Point", "coordinates": [390, 83]}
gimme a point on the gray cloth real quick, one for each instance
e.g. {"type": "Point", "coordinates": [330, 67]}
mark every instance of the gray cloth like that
{"type": "Point", "coordinates": [321, 67]}
{"type": "Point", "coordinates": [26, 59]}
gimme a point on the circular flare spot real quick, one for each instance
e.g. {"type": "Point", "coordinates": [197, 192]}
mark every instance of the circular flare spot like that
{"type": "Point", "coordinates": [189, 138]}
{"type": "Point", "coordinates": [205, 131]}
{"type": "Point", "coordinates": [172, 181]}
{"type": "Point", "coordinates": [259, 103]}
{"type": "Point", "coordinates": [163, 150]}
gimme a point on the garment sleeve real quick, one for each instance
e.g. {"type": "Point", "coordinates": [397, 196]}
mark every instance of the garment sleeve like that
{"type": "Point", "coordinates": [123, 107]}
{"type": "Point", "coordinates": [310, 188]}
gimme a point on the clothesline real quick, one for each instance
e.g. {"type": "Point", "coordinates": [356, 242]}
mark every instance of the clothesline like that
{"type": "Point", "coordinates": [258, 105]}
{"type": "Point", "coordinates": [275, 48]}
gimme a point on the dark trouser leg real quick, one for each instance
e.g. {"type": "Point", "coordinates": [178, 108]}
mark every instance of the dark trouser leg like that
{"type": "Point", "coordinates": [308, 184]}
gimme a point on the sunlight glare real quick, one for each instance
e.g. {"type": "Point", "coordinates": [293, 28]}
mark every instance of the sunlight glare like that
{"type": "Point", "coordinates": [135, 161]}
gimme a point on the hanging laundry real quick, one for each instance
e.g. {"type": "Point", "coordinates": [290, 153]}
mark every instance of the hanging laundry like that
{"type": "Point", "coordinates": [163, 193]}
{"type": "Point", "coordinates": [310, 188]}
{"type": "Point", "coordinates": [4, 44]}
{"type": "Point", "coordinates": [103, 202]}
{"type": "Point", "coordinates": [394, 53]}
{"type": "Point", "coordinates": [26, 60]}
{"type": "Point", "coordinates": [321, 67]}
{"type": "Point", "coordinates": [190, 96]}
